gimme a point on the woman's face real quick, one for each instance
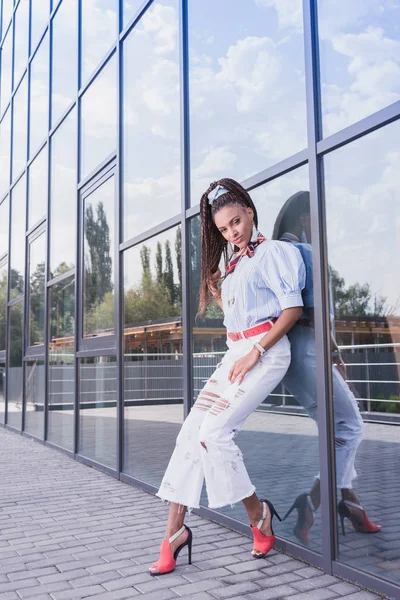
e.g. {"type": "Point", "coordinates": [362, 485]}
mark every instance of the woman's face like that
{"type": "Point", "coordinates": [235, 223]}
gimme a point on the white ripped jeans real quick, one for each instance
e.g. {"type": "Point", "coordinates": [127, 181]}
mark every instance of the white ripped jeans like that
{"type": "Point", "coordinates": [205, 447]}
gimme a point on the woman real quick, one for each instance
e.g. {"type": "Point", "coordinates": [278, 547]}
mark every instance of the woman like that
{"type": "Point", "coordinates": [293, 225]}
{"type": "Point", "coordinates": [261, 299]}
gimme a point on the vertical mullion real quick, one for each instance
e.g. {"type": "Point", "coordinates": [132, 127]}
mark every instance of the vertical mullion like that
{"type": "Point", "coordinates": [321, 287]}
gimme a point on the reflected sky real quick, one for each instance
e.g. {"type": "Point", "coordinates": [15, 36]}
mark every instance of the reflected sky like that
{"type": "Point", "coordinates": [39, 97]}
{"type": "Point", "coordinates": [99, 33]}
{"type": "Point", "coordinates": [20, 128]}
{"type": "Point", "coordinates": [21, 39]}
{"type": "Point", "coordinates": [5, 150]}
{"type": "Point", "coordinates": [37, 183]}
{"type": "Point", "coordinates": [6, 71]}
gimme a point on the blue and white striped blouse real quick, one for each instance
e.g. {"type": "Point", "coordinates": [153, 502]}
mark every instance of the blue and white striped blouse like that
{"type": "Point", "coordinates": [263, 285]}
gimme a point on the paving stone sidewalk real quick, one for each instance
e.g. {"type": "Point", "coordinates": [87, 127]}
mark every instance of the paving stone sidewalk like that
{"type": "Point", "coordinates": [69, 532]}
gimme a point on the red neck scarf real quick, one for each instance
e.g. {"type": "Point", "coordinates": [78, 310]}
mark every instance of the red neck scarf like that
{"type": "Point", "coordinates": [248, 250]}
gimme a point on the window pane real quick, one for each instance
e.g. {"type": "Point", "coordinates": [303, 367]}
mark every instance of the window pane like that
{"type": "Point", "coordinates": [39, 17]}
{"type": "Point", "coordinates": [61, 363]}
{"type": "Point", "coordinates": [99, 33]}
{"type": "Point", "coordinates": [360, 60]}
{"type": "Point", "coordinates": [34, 395]}
{"type": "Point", "coordinates": [6, 68]}
{"type": "Point", "coordinates": [3, 304]}
{"type": "Point", "coordinates": [98, 409]}
{"type": "Point", "coordinates": [247, 88]}
{"type": "Point", "coordinates": [361, 190]}
{"type": "Point", "coordinates": [99, 119]}
{"type": "Point", "coordinates": [21, 39]}
{"type": "Point", "coordinates": [37, 183]}
{"type": "Point", "coordinates": [4, 224]}
{"type": "Point", "coordinates": [152, 176]}
{"type": "Point", "coordinates": [98, 285]}
{"type": "Point", "coordinates": [2, 391]}
{"type": "Point", "coordinates": [17, 247]}
{"type": "Point", "coordinates": [63, 197]}
{"type": "Point", "coordinates": [64, 59]}
{"type": "Point", "coordinates": [153, 373]}
{"type": "Point", "coordinates": [130, 8]}
{"type": "Point", "coordinates": [7, 12]}
{"type": "Point", "coordinates": [15, 368]}
{"type": "Point", "coordinates": [5, 152]}
{"type": "Point", "coordinates": [20, 129]}
{"type": "Point", "coordinates": [37, 255]}
{"type": "Point", "coordinates": [39, 100]}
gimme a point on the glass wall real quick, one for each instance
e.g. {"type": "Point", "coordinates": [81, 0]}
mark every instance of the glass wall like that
{"type": "Point", "coordinates": [21, 39]}
{"type": "Point", "coordinates": [99, 33]}
{"type": "Point", "coordinates": [37, 254]}
{"type": "Point", "coordinates": [37, 188]}
{"type": "Point", "coordinates": [3, 303]}
{"type": "Point", "coordinates": [6, 68]}
{"type": "Point", "coordinates": [39, 97]}
{"type": "Point", "coordinates": [17, 245]}
{"type": "Point", "coordinates": [15, 379]}
{"type": "Point", "coordinates": [5, 152]}
{"type": "Point", "coordinates": [34, 398]}
{"type": "Point", "coordinates": [2, 391]}
{"type": "Point", "coordinates": [20, 128]}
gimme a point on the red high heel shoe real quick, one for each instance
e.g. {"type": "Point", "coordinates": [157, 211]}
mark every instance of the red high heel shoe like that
{"type": "Point", "coordinates": [167, 561]}
{"type": "Point", "coordinates": [264, 543]}
{"type": "Point", "coordinates": [362, 525]}
{"type": "Point", "coordinates": [301, 530]}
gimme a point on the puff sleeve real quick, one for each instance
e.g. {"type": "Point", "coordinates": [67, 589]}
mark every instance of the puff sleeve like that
{"type": "Point", "coordinates": [285, 274]}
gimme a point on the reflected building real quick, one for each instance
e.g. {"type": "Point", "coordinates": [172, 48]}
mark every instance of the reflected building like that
{"type": "Point", "coordinates": [114, 117]}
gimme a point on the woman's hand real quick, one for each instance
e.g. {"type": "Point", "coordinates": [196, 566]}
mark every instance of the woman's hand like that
{"type": "Point", "coordinates": [242, 366]}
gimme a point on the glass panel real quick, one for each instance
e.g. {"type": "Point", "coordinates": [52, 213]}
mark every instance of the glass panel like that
{"type": "Point", "coordinates": [359, 60]}
{"type": "Point", "coordinates": [99, 33]}
{"type": "Point", "coordinates": [99, 119]}
{"type": "Point", "coordinates": [3, 304]}
{"type": "Point", "coordinates": [5, 152]}
{"type": "Point", "coordinates": [15, 368]}
{"type": "Point", "coordinates": [7, 12]}
{"type": "Point", "coordinates": [37, 183]}
{"type": "Point", "coordinates": [2, 391]}
{"type": "Point", "coordinates": [62, 363]}
{"type": "Point", "coordinates": [64, 58]}
{"type": "Point", "coordinates": [153, 373]}
{"type": "Point", "coordinates": [39, 17]}
{"type": "Point", "coordinates": [6, 66]}
{"type": "Point", "coordinates": [20, 129]}
{"type": "Point", "coordinates": [63, 195]}
{"type": "Point", "coordinates": [21, 39]}
{"type": "Point", "coordinates": [98, 409]}
{"type": "Point", "coordinates": [4, 224]}
{"type": "Point", "coordinates": [34, 397]}
{"type": "Point", "coordinates": [130, 8]}
{"type": "Point", "coordinates": [37, 255]}
{"type": "Point", "coordinates": [98, 258]}
{"type": "Point", "coordinates": [152, 175]}
{"type": "Point", "coordinates": [39, 100]}
{"type": "Point", "coordinates": [17, 246]}
{"type": "Point", "coordinates": [363, 243]}
{"type": "Point", "coordinates": [247, 87]}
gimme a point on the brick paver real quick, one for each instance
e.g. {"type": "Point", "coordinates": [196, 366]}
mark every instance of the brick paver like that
{"type": "Point", "coordinates": [70, 532]}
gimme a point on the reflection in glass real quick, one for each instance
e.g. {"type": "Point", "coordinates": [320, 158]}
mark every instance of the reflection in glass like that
{"type": "Point", "coordinates": [153, 373]}
{"type": "Point", "coordinates": [6, 70]}
{"type": "Point", "coordinates": [359, 60]}
{"type": "Point", "coordinates": [3, 303]}
{"type": "Point", "coordinates": [15, 368]}
{"type": "Point", "coordinates": [4, 216]}
{"type": "Point", "coordinates": [98, 258]}
{"type": "Point", "coordinates": [7, 12]}
{"type": "Point", "coordinates": [99, 119]}
{"type": "Point", "coordinates": [34, 397]}
{"type": "Point", "coordinates": [152, 179]}
{"type": "Point", "coordinates": [130, 9]}
{"type": "Point", "coordinates": [20, 129]}
{"type": "Point", "coordinates": [2, 391]}
{"type": "Point", "coordinates": [98, 409]}
{"type": "Point", "coordinates": [99, 33]}
{"type": "Point", "coordinates": [5, 152]}
{"type": "Point", "coordinates": [247, 88]}
{"type": "Point", "coordinates": [39, 17]}
{"type": "Point", "coordinates": [64, 58]}
{"type": "Point", "coordinates": [363, 246]}
{"type": "Point", "coordinates": [63, 195]}
{"type": "Point", "coordinates": [37, 184]}
{"type": "Point", "coordinates": [39, 99]}
{"type": "Point", "coordinates": [21, 39]}
{"type": "Point", "coordinates": [37, 254]}
{"type": "Point", "coordinates": [61, 358]}
{"type": "Point", "coordinates": [17, 244]}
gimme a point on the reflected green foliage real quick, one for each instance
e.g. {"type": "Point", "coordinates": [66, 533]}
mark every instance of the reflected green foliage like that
{"type": "Point", "coordinates": [16, 334]}
{"type": "Point", "coordinates": [16, 284]}
{"type": "Point", "coordinates": [62, 308]}
{"type": "Point", "coordinates": [357, 300]}
{"type": "Point", "coordinates": [36, 305]}
{"type": "Point", "coordinates": [3, 306]}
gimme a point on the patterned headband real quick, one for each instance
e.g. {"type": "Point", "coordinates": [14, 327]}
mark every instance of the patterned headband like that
{"type": "Point", "coordinates": [216, 193]}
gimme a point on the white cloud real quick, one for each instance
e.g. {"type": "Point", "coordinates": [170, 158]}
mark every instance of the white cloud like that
{"type": "Point", "coordinates": [290, 12]}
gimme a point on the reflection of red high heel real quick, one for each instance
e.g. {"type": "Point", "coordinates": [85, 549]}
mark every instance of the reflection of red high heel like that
{"type": "Point", "coordinates": [362, 524]}
{"type": "Point", "coordinates": [167, 561]}
{"type": "Point", "coordinates": [264, 543]}
{"type": "Point", "coordinates": [303, 504]}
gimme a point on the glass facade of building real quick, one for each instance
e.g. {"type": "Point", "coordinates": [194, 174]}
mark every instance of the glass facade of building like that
{"type": "Point", "coordinates": [115, 116]}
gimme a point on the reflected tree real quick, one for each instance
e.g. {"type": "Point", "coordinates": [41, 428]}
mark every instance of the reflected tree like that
{"type": "Point", "coordinates": [3, 307]}
{"type": "Point", "coordinates": [357, 300]}
{"type": "Point", "coordinates": [36, 304]}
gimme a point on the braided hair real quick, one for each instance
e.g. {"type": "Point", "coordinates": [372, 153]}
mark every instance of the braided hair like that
{"type": "Point", "coordinates": [213, 244]}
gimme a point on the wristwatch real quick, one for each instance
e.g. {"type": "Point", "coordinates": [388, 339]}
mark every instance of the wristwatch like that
{"type": "Point", "coordinates": [261, 350]}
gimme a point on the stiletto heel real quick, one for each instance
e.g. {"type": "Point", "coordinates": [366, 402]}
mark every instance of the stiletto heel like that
{"type": "Point", "coordinates": [264, 543]}
{"type": "Point", "coordinates": [302, 503]}
{"type": "Point", "coordinates": [363, 525]}
{"type": "Point", "coordinates": [167, 561]}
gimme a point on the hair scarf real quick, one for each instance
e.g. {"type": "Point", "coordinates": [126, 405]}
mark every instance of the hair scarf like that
{"type": "Point", "coordinates": [247, 251]}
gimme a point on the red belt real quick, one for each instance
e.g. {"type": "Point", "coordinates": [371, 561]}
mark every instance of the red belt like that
{"type": "Point", "coordinates": [263, 328]}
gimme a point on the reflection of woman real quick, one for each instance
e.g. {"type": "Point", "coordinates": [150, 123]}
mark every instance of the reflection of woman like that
{"type": "Point", "coordinates": [293, 225]}
{"type": "Point", "coordinates": [261, 299]}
